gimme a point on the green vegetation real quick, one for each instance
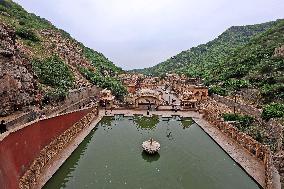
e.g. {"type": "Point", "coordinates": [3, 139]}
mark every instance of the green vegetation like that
{"type": "Point", "coordinates": [245, 124]}
{"type": "Point", "coordinates": [256, 63]}
{"type": "Point", "coordinates": [248, 125]}
{"type": "Point", "coordinates": [241, 57]}
{"type": "Point", "coordinates": [27, 34]}
{"type": "Point", "coordinates": [102, 81]}
{"type": "Point", "coordinates": [53, 72]}
{"type": "Point", "coordinates": [216, 89]}
{"type": "Point", "coordinates": [17, 17]}
{"type": "Point", "coordinates": [101, 63]}
{"type": "Point", "coordinates": [201, 61]}
{"type": "Point", "coordinates": [148, 123]}
{"type": "Point", "coordinates": [243, 120]}
{"type": "Point", "coordinates": [272, 91]}
{"type": "Point", "coordinates": [273, 110]}
{"type": "Point", "coordinates": [104, 74]}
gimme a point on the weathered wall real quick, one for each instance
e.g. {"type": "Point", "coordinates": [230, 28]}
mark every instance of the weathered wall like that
{"type": "Point", "coordinates": [239, 107]}
{"type": "Point", "coordinates": [75, 99]}
{"type": "Point", "coordinates": [17, 81]}
{"type": "Point", "coordinates": [77, 94]}
{"type": "Point", "coordinates": [256, 149]}
{"type": "Point", "coordinates": [20, 148]}
{"type": "Point", "coordinates": [279, 164]}
{"type": "Point", "coordinates": [33, 176]}
{"type": "Point", "coordinates": [273, 128]}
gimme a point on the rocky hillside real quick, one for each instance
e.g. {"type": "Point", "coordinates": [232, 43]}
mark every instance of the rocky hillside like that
{"type": "Point", "coordinates": [247, 60]}
{"type": "Point", "coordinates": [205, 56]}
{"type": "Point", "coordinates": [41, 63]}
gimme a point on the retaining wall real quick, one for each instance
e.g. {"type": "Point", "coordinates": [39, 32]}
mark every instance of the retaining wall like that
{"type": "Point", "coordinates": [274, 129]}
{"type": "Point", "coordinates": [76, 98]}
{"type": "Point", "coordinates": [239, 107]}
{"type": "Point", "coordinates": [256, 149]}
{"type": "Point", "coordinates": [19, 148]}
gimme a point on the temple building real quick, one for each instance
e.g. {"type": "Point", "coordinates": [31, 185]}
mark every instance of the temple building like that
{"type": "Point", "coordinates": [188, 100]}
{"type": "Point", "coordinates": [106, 98]}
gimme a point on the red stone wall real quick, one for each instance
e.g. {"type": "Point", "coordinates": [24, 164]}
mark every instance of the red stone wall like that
{"type": "Point", "coordinates": [20, 148]}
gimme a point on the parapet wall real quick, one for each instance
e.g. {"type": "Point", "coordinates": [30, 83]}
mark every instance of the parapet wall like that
{"type": "Point", "coordinates": [20, 148]}
{"type": "Point", "coordinates": [239, 107]}
{"type": "Point", "coordinates": [256, 149]}
{"type": "Point", "coordinates": [75, 99]}
{"type": "Point", "coordinates": [273, 128]}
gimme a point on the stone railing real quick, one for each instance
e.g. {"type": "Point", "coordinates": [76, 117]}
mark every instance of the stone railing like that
{"type": "Point", "coordinates": [247, 109]}
{"type": "Point", "coordinates": [32, 175]}
{"type": "Point", "coordinates": [278, 161]}
{"type": "Point", "coordinates": [75, 100]}
{"type": "Point", "coordinates": [25, 118]}
{"type": "Point", "coordinates": [256, 149]}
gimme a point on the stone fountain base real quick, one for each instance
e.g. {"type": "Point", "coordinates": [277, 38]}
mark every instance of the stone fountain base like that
{"type": "Point", "coordinates": [151, 146]}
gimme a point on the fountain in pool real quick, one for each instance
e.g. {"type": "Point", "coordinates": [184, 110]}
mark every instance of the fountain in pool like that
{"type": "Point", "coordinates": [151, 146]}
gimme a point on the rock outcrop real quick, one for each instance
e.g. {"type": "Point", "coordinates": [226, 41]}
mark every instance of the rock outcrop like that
{"type": "Point", "coordinates": [279, 52]}
{"type": "Point", "coordinates": [17, 83]}
{"type": "Point", "coordinates": [69, 50]}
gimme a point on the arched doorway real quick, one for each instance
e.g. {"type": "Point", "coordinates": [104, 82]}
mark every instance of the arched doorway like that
{"type": "Point", "coordinates": [145, 101]}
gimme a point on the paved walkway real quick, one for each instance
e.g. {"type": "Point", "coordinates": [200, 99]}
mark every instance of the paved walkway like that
{"type": "Point", "coordinates": [250, 164]}
{"type": "Point", "coordinates": [168, 96]}
{"type": "Point", "coordinates": [144, 112]}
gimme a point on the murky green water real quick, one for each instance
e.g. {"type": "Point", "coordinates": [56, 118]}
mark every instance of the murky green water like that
{"type": "Point", "coordinates": [111, 157]}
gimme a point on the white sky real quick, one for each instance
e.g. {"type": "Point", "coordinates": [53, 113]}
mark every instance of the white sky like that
{"type": "Point", "coordinates": [142, 33]}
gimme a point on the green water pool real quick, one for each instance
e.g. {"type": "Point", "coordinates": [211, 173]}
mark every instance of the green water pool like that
{"type": "Point", "coordinates": [111, 157]}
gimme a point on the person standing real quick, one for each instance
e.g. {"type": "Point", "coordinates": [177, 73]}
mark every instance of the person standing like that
{"type": "Point", "coordinates": [3, 127]}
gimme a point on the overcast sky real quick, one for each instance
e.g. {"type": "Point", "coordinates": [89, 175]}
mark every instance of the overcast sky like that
{"type": "Point", "coordinates": [142, 33]}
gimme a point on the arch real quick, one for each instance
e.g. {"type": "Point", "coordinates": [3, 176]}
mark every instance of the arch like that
{"type": "Point", "coordinates": [147, 99]}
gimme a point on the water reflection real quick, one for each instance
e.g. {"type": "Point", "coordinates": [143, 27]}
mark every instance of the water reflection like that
{"type": "Point", "coordinates": [106, 121]}
{"type": "Point", "coordinates": [150, 157]}
{"type": "Point", "coordinates": [112, 158]}
{"type": "Point", "coordinates": [186, 123]}
{"type": "Point", "coordinates": [72, 163]}
{"type": "Point", "coordinates": [148, 123]}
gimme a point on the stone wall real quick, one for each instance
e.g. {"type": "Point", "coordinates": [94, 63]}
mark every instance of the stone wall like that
{"type": "Point", "coordinates": [76, 99]}
{"type": "Point", "coordinates": [30, 178]}
{"type": "Point", "coordinates": [273, 129]}
{"type": "Point", "coordinates": [21, 120]}
{"type": "Point", "coordinates": [81, 93]}
{"type": "Point", "coordinates": [278, 161]}
{"type": "Point", "coordinates": [20, 146]}
{"type": "Point", "coordinates": [245, 109]}
{"type": "Point", "coordinates": [256, 149]}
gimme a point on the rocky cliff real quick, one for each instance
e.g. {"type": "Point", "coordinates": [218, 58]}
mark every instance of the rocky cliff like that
{"type": "Point", "coordinates": [40, 63]}
{"type": "Point", "coordinates": [17, 82]}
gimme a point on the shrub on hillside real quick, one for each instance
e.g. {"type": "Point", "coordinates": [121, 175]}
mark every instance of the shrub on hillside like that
{"type": "Point", "coordinates": [215, 89]}
{"type": "Point", "coordinates": [273, 110]}
{"type": "Point", "coordinates": [244, 120]}
{"type": "Point", "coordinates": [246, 124]}
{"type": "Point", "coordinates": [27, 34]}
{"type": "Point", "coordinates": [54, 72]}
{"type": "Point", "coordinates": [274, 91]}
{"type": "Point", "coordinates": [236, 84]}
{"type": "Point", "coordinates": [110, 83]}
{"type": "Point", "coordinates": [55, 95]}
